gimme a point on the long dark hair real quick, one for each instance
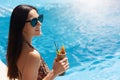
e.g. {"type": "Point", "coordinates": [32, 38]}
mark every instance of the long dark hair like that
{"type": "Point", "coordinates": [15, 39]}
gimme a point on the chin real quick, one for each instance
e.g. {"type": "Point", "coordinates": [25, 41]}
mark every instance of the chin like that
{"type": "Point", "coordinates": [38, 34]}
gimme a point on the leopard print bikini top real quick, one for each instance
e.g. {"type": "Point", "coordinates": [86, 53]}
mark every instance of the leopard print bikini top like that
{"type": "Point", "coordinates": [43, 70]}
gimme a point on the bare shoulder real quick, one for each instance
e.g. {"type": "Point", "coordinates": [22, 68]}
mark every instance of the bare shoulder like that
{"type": "Point", "coordinates": [31, 67]}
{"type": "Point", "coordinates": [32, 60]}
{"type": "Point", "coordinates": [28, 57]}
{"type": "Point", "coordinates": [34, 56]}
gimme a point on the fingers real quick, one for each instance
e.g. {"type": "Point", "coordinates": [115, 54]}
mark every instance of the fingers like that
{"type": "Point", "coordinates": [64, 60]}
{"type": "Point", "coordinates": [60, 66]}
{"type": "Point", "coordinates": [65, 67]}
{"type": "Point", "coordinates": [65, 64]}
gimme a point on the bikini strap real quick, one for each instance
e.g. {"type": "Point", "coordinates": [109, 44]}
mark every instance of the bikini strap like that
{"type": "Point", "coordinates": [29, 45]}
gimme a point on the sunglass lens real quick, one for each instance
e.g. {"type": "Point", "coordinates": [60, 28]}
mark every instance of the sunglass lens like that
{"type": "Point", "coordinates": [34, 22]}
{"type": "Point", "coordinates": [40, 18]}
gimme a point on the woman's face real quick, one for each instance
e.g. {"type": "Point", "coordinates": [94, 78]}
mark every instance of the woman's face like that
{"type": "Point", "coordinates": [30, 30]}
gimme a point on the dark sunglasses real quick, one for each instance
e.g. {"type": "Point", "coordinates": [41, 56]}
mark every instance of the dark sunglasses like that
{"type": "Point", "coordinates": [34, 21]}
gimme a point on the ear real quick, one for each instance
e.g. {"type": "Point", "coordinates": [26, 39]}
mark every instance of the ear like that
{"type": "Point", "coordinates": [23, 32]}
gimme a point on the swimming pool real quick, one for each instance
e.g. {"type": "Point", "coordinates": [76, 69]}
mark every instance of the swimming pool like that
{"type": "Point", "coordinates": [89, 30]}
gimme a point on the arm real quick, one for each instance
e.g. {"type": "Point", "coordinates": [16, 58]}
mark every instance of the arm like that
{"type": "Point", "coordinates": [58, 68]}
{"type": "Point", "coordinates": [50, 76]}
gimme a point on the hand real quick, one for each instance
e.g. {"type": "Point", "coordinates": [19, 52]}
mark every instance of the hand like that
{"type": "Point", "coordinates": [60, 66]}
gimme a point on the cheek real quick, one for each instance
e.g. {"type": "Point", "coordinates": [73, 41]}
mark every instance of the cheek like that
{"type": "Point", "coordinates": [29, 30]}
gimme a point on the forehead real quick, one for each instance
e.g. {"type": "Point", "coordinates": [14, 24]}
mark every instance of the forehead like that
{"type": "Point", "coordinates": [33, 13]}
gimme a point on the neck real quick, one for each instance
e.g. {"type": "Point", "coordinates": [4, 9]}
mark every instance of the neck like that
{"type": "Point", "coordinates": [28, 39]}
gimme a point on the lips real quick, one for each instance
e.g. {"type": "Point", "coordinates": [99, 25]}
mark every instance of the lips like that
{"type": "Point", "coordinates": [37, 30]}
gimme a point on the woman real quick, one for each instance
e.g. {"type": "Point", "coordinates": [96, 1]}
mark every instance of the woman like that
{"type": "Point", "coordinates": [24, 61]}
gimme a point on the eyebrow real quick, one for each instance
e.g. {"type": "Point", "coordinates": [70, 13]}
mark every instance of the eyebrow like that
{"type": "Point", "coordinates": [32, 18]}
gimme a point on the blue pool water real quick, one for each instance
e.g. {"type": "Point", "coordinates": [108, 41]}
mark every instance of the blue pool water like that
{"type": "Point", "coordinates": [89, 30]}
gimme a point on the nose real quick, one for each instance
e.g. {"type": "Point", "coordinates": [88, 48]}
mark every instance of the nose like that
{"type": "Point", "coordinates": [38, 23]}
